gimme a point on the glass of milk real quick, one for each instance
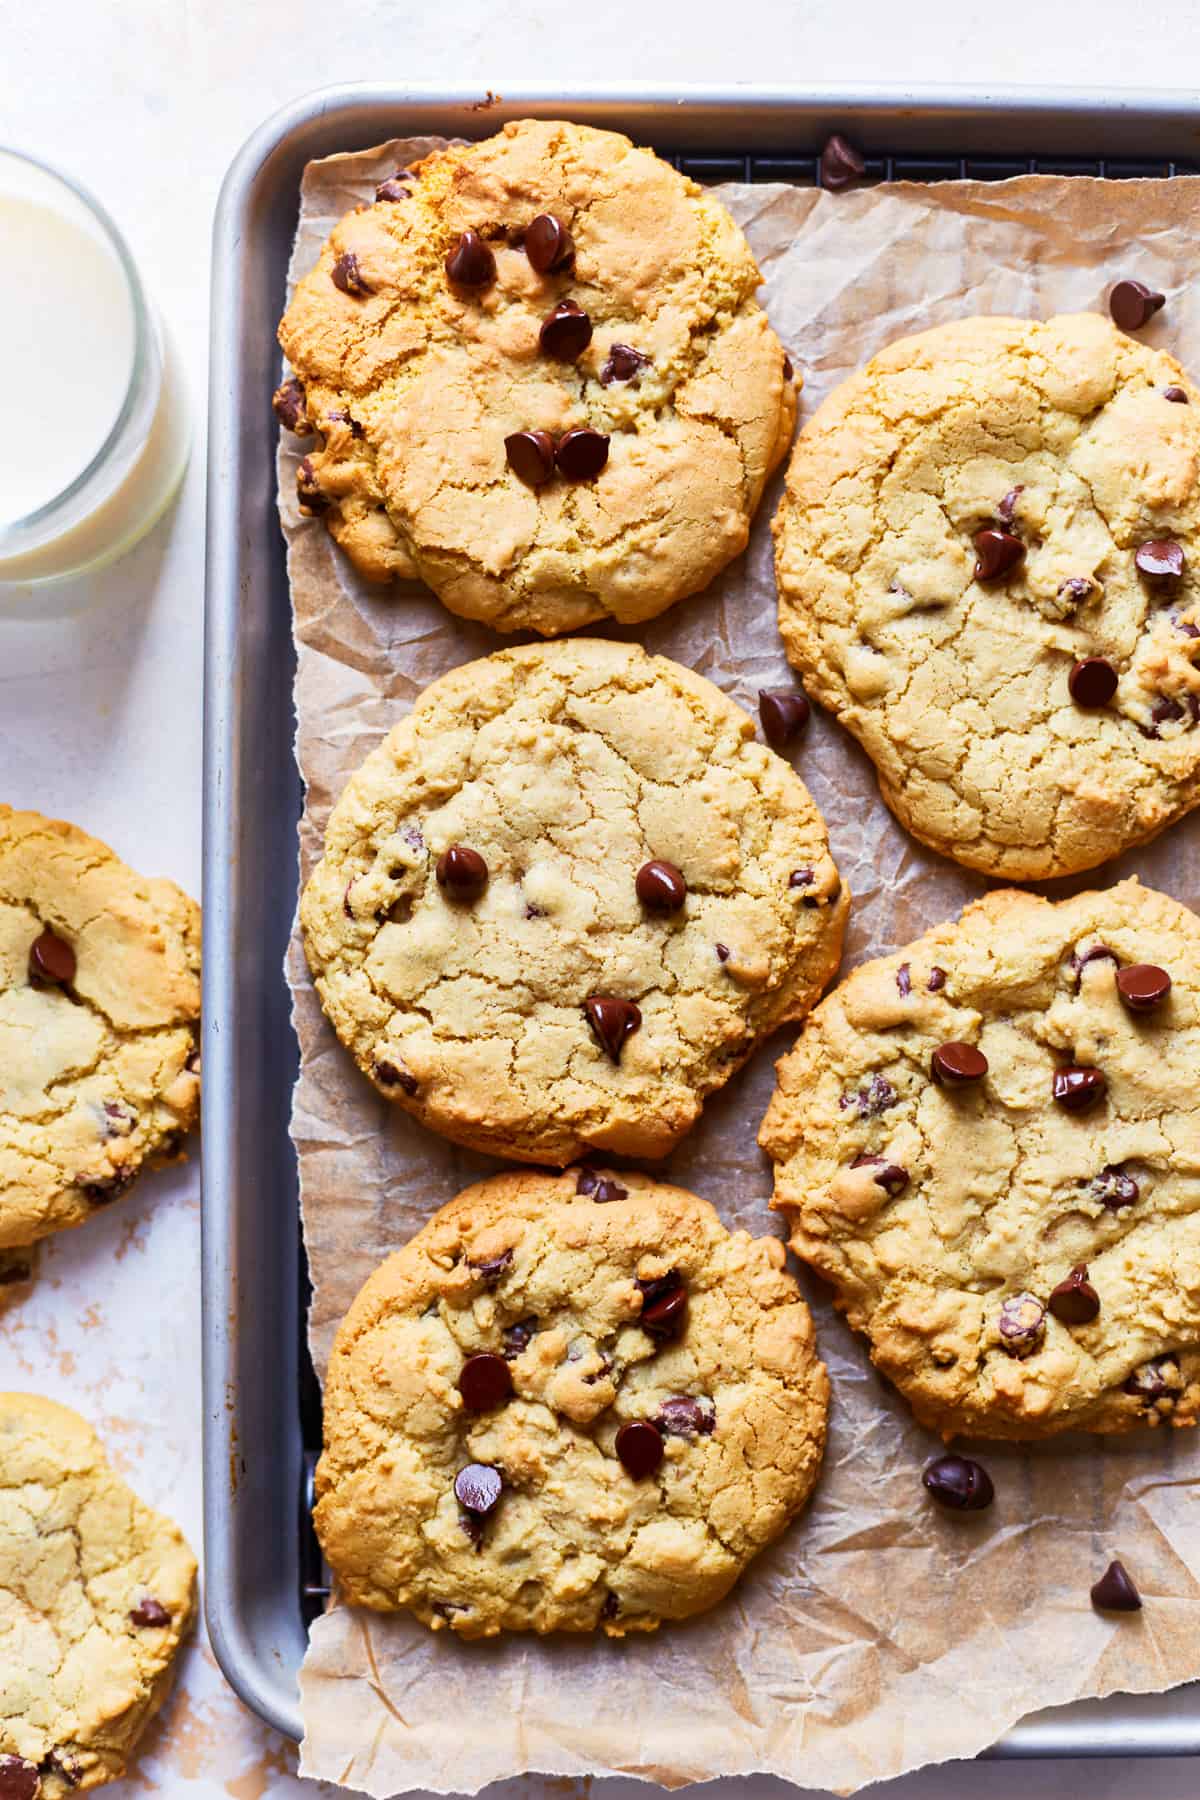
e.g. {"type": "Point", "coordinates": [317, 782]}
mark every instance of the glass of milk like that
{"type": "Point", "coordinates": [95, 434]}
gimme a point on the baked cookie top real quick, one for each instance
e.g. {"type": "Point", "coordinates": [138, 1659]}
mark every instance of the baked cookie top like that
{"type": "Point", "coordinates": [563, 899]}
{"type": "Point", "coordinates": [540, 381]}
{"type": "Point", "coordinates": [987, 559]}
{"type": "Point", "coordinates": [990, 1143]}
{"type": "Point", "coordinates": [96, 1594]}
{"type": "Point", "coordinates": [570, 1402]}
{"type": "Point", "coordinates": [99, 1017]}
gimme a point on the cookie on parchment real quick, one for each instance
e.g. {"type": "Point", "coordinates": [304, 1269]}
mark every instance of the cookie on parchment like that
{"type": "Point", "coordinates": [989, 1142]}
{"type": "Point", "coordinates": [988, 564]}
{"type": "Point", "coordinates": [99, 1018]}
{"type": "Point", "coordinates": [563, 900]}
{"type": "Point", "coordinates": [539, 380]}
{"type": "Point", "coordinates": [570, 1403]}
{"type": "Point", "coordinates": [97, 1593]}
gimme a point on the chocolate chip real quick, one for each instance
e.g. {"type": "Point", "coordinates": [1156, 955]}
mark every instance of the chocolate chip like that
{"type": "Point", "coordinates": [1097, 953]}
{"type": "Point", "coordinates": [611, 1607]}
{"type": "Point", "coordinates": [57, 1764]}
{"type": "Point", "coordinates": [602, 1188]}
{"type": "Point", "coordinates": [471, 264]}
{"type": "Point", "coordinates": [1007, 506]}
{"type": "Point", "coordinates": [624, 363]}
{"type": "Point", "coordinates": [477, 1488]}
{"type": "Point", "coordinates": [1075, 1301]}
{"type": "Point", "coordinates": [581, 453]}
{"type": "Point", "coordinates": [107, 1189]}
{"type": "Point", "coordinates": [346, 275]}
{"type": "Point", "coordinates": [1076, 1090]}
{"type": "Point", "coordinates": [1022, 1324]}
{"type": "Point", "coordinates": [1176, 394]}
{"type": "Point", "coordinates": [12, 1273]}
{"type": "Point", "coordinates": [338, 415]}
{"type": "Point", "coordinates": [19, 1780]}
{"type": "Point", "coordinates": [395, 187]}
{"type": "Point", "coordinates": [1185, 626]}
{"type": "Point", "coordinates": [1132, 303]}
{"type": "Point", "coordinates": [959, 1483]}
{"type": "Point", "coordinates": [661, 887]}
{"type": "Point", "coordinates": [904, 981]}
{"type": "Point", "coordinates": [388, 1074]}
{"type": "Point", "coordinates": [723, 952]}
{"type": "Point", "coordinates": [784, 714]}
{"type": "Point", "coordinates": [566, 332]}
{"type": "Point", "coordinates": [1092, 681]}
{"type": "Point", "coordinates": [1114, 1188]}
{"type": "Point", "coordinates": [612, 1021]}
{"type": "Point", "coordinates": [640, 1447]}
{"type": "Point", "coordinates": [309, 492]}
{"type": "Point", "coordinates": [1076, 588]}
{"type": "Point", "coordinates": [664, 1309]}
{"type": "Point", "coordinates": [841, 164]}
{"type": "Point", "coordinates": [997, 552]}
{"type": "Point", "coordinates": [518, 1337]}
{"type": "Point", "coordinates": [493, 1268]}
{"type": "Point", "coordinates": [1115, 1591]}
{"type": "Point", "coordinates": [872, 1100]}
{"type": "Point", "coordinates": [681, 1416]}
{"type": "Point", "coordinates": [1160, 559]}
{"type": "Point", "coordinates": [485, 1382]}
{"type": "Point", "coordinates": [1158, 1379]}
{"type": "Point", "coordinates": [801, 878]}
{"type": "Point", "coordinates": [51, 960]}
{"type": "Point", "coordinates": [957, 1065]}
{"type": "Point", "coordinates": [1143, 986]}
{"type": "Point", "coordinates": [531, 456]}
{"type": "Point", "coordinates": [891, 1177]}
{"type": "Point", "coordinates": [462, 873]}
{"type": "Point", "coordinates": [548, 244]}
{"type": "Point", "coordinates": [150, 1614]}
{"type": "Point", "coordinates": [119, 1119]}
{"type": "Point", "coordinates": [290, 408]}
{"type": "Point", "coordinates": [937, 980]}
{"type": "Point", "coordinates": [1164, 712]}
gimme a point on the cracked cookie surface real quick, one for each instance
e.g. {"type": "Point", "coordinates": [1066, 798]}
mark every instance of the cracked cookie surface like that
{"type": "Point", "coordinates": [1020, 1247]}
{"type": "Point", "coordinates": [413, 383]}
{"type": "Point", "coordinates": [566, 1283]}
{"type": "Point", "coordinates": [99, 1017]}
{"type": "Point", "coordinates": [96, 1594]}
{"type": "Point", "coordinates": [567, 768]}
{"type": "Point", "coordinates": [1081, 445]}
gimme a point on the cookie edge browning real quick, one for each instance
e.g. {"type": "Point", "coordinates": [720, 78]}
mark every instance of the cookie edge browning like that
{"type": "Point", "coordinates": [797, 996]}
{"type": "Point", "coordinates": [396, 1282]}
{"type": "Point", "coordinates": [1113, 1411]}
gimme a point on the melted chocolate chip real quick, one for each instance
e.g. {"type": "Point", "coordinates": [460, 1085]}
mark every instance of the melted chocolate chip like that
{"type": "Point", "coordinates": [396, 187]}
{"type": "Point", "coordinates": [477, 1488]}
{"type": "Point", "coordinates": [1097, 953]}
{"type": "Point", "coordinates": [997, 553]}
{"type": "Point", "coordinates": [640, 1447]}
{"type": "Point", "coordinates": [871, 1100]}
{"type": "Point", "coordinates": [1114, 1188]}
{"type": "Point", "coordinates": [471, 264]}
{"type": "Point", "coordinates": [937, 980]}
{"type": "Point", "coordinates": [1076, 589]}
{"type": "Point", "coordinates": [904, 981]}
{"type": "Point", "coordinates": [623, 363]}
{"type": "Point", "coordinates": [485, 1382]}
{"type": "Point", "coordinates": [1075, 1301]}
{"type": "Point", "coordinates": [290, 409]}
{"type": "Point", "coordinates": [518, 1337]}
{"type": "Point", "coordinates": [348, 276]}
{"type": "Point", "coordinates": [664, 1306]}
{"type": "Point", "coordinates": [119, 1119]}
{"type": "Point", "coordinates": [107, 1189]}
{"type": "Point", "coordinates": [462, 874]}
{"type": "Point", "coordinates": [338, 415]}
{"type": "Point", "coordinates": [1143, 986]}
{"type": "Point", "coordinates": [531, 456]}
{"type": "Point", "coordinates": [309, 492]}
{"type": "Point", "coordinates": [51, 960]}
{"type": "Point", "coordinates": [784, 714]}
{"type": "Point", "coordinates": [493, 1269]}
{"type": "Point", "coordinates": [801, 878]}
{"type": "Point", "coordinates": [548, 244]}
{"type": "Point", "coordinates": [566, 332]}
{"type": "Point", "coordinates": [959, 1483]}
{"type": "Point", "coordinates": [602, 1188]}
{"type": "Point", "coordinates": [891, 1177]}
{"type": "Point", "coordinates": [1077, 1090]}
{"type": "Point", "coordinates": [1115, 1591]}
{"type": "Point", "coordinates": [19, 1780]}
{"type": "Point", "coordinates": [150, 1614]}
{"type": "Point", "coordinates": [682, 1416]}
{"type": "Point", "coordinates": [1092, 681]}
{"type": "Point", "coordinates": [1022, 1324]}
{"type": "Point", "coordinates": [389, 1074]}
{"type": "Point", "coordinates": [723, 952]}
{"type": "Point", "coordinates": [612, 1021]}
{"type": "Point", "coordinates": [1160, 559]}
{"type": "Point", "coordinates": [581, 453]}
{"type": "Point", "coordinates": [958, 1065]}
{"type": "Point", "coordinates": [1008, 506]}
{"type": "Point", "coordinates": [1132, 303]}
{"type": "Point", "coordinates": [841, 164]}
{"type": "Point", "coordinates": [12, 1273]}
{"type": "Point", "coordinates": [660, 887]}
{"type": "Point", "coordinates": [1158, 1379]}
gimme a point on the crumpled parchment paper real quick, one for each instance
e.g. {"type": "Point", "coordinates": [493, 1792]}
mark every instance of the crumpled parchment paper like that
{"type": "Point", "coordinates": [880, 1633]}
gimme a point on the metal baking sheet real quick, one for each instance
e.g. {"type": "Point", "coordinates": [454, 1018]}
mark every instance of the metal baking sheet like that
{"type": "Point", "coordinates": [261, 1403]}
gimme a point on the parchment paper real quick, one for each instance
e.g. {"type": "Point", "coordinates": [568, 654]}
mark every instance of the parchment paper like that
{"type": "Point", "coordinates": [880, 1633]}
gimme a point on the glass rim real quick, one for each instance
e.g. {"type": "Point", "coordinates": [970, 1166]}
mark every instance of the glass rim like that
{"type": "Point", "coordinates": [44, 514]}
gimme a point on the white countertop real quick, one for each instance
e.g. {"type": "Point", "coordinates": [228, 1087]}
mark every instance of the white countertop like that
{"type": "Point", "coordinates": [100, 716]}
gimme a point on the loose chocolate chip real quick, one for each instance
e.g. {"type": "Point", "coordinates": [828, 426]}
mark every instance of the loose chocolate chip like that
{"type": "Point", "coordinates": [660, 886]}
{"type": "Point", "coordinates": [566, 332]}
{"type": "Point", "coordinates": [389, 1075]}
{"type": "Point", "coordinates": [346, 275]}
{"type": "Point", "coordinates": [891, 1177]}
{"type": "Point", "coordinates": [485, 1382]}
{"type": "Point", "coordinates": [800, 878]}
{"type": "Point", "coordinates": [624, 363]}
{"type": "Point", "coordinates": [784, 714]}
{"type": "Point", "coordinates": [1158, 1379]}
{"type": "Point", "coordinates": [1132, 303]}
{"type": "Point", "coordinates": [150, 1614]}
{"type": "Point", "coordinates": [841, 164]}
{"type": "Point", "coordinates": [493, 1269]}
{"type": "Point", "coordinates": [612, 1021]}
{"type": "Point", "coordinates": [290, 409]}
{"type": "Point", "coordinates": [1114, 1188]}
{"type": "Point", "coordinates": [471, 264]}
{"type": "Point", "coordinates": [937, 980]}
{"type": "Point", "coordinates": [664, 1306]}
{"type": "Point", "coordinates": [19, 1780]}
{"type": "Point", "coordinates": [518, 1337]}
{"type": "Point", "coordinates": [959, 1483]}
{"type": "Point", "coordinates": [904, 981]}
{"type": "Point", "coordinates": [477, 1488]}
{"type": "Point", "coordinates": [723, 952]}
{"type": "Point", "coordinates": [602, 1188]}
{"type": "Point", "coordinates": [1176, 394]}
{"type": "Point", "coordinates": [581, 453]}
{"type": "Point", "coordinates": [531, 456]}
{"type": "Point", "coordinates": [1076, 1090]}
{"type": "Point", "coordinates": [1007, 506]}
{"type": "Point", "coordinates": [1022, 1324]}
{"type": "Point", "coordinates": [996, 552]}
{"type": "Point", "coordinates": [1115, 1591]}
{"type": "Point", "coordinates": [957, 1065]}
{"type": "Point", "coordinates": [548, 244]}
{"type": "Point", "coordinates": [1092, 681]}
{"type": "Point", "coordinates": [1161, 559]}
{"type": "Point", "coordinates": [681, 1416]}
{"type": "Point", "coordinates": [462, 873]}
{"type": "Point", "coordinates": [640, 1447]}
{"type": "Point", "coordinates": [309, 491]}
{"type": "Point", "coordinates": [1075, 1301]}
{"type": "Point", "coordinates": [51, 960]}
{"type": "Point", "coordinates": [1076, 588]}
{"type": "Point", "coordinates": [1143, 986]}
{"type": "Point", "coordinates": [395, 187]}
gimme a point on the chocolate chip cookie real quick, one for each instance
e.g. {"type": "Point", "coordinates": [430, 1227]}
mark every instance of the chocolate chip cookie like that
{"type": "Point", "coordinates": [570, 1403]}
{"type": "Point", "coordinates": [536, 376]}
{"type": "Point", "coordinates": [97, 1593]}
{"type": "Point", "coordinates": [987, 559]}
{"type": "Point", "coordinates": [563, 900]}
{"type": "Point", "coordinates": [989, 1143]}
{"type": "Point", "coordinates": [99, 1015]}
